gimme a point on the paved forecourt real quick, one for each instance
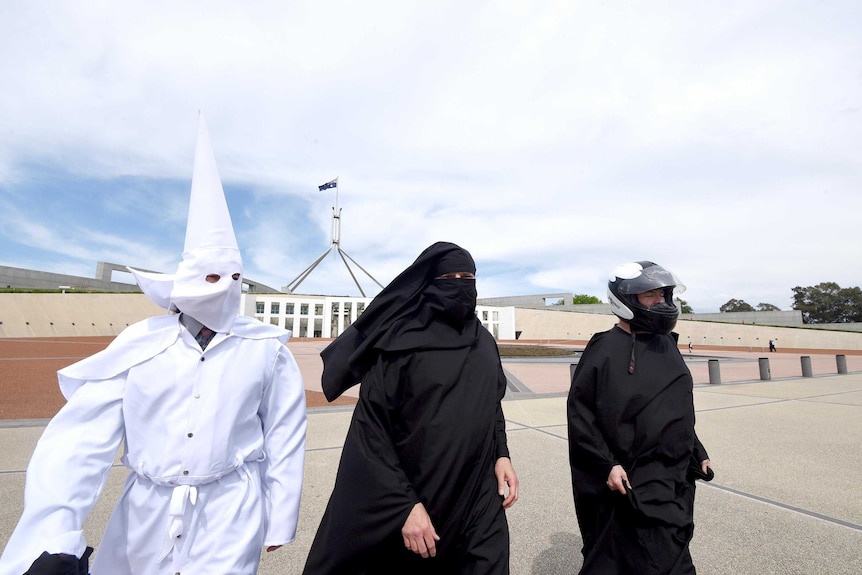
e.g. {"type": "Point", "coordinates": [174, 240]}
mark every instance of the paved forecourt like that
{"type": "Point", "coordinates": [786, 498]}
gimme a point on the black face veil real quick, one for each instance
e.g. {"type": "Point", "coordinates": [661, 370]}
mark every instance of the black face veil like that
{"type": "Point", "coordinates": [415, 311]}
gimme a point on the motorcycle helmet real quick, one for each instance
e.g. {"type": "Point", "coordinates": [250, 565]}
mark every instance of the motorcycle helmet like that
{"type": "Point", "coordinates": [629, 280]}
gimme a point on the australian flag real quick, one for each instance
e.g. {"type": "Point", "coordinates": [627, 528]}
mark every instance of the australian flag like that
{"type": "Point", "coordinates": [327, 185]}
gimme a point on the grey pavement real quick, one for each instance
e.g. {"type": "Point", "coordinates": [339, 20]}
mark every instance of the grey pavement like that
{"type": "Point", "coordinates": [786, 497]}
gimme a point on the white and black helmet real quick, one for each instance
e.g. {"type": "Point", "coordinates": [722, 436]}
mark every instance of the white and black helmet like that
{"type": "Point", "coordinates": [628, 280]}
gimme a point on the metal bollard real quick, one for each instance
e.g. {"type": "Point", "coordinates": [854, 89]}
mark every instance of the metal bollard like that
{"type": "Point", "coordinates": [841, 360]}
{"type": "Point", "coordinates": [764, 368]}
{"type": "Point", "coordinates": [806, 366]}
{"type": "Point", "coordinates": [714, 372]}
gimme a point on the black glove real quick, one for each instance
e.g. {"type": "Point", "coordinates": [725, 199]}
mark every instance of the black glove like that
{"type": "Point", "coordinates": [61, 564]}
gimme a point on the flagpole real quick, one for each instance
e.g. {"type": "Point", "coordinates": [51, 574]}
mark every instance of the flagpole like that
{"type": "Point", "coordinates": [336, 219]}
{"type": "Point", "coordinates": [334, 240]}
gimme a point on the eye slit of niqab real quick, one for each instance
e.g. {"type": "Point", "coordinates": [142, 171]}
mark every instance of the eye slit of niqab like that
{"type": "Point", "coordinates": [235, 276]}
{"type": "Point", "coordinates": [213, 278]}
{"type": "Point", "coordinates": [456, 275]}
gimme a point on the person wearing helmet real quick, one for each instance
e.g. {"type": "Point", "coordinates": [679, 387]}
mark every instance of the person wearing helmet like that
{"type": "Point", "coordinates": [633, 451]}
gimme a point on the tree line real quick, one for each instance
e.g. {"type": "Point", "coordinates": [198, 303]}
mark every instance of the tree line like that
{"type": "Point", "coordinates": [825, 302]}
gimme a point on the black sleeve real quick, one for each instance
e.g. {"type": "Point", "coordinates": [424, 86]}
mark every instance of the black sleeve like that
{"type": "Point", "coordinates": [377, 436]}
{"type": "Point", "coordinates": [590, 457]}
{"type": "Point", "coordinates": [500, 424]}
{"type": "Point", "coordinates": [699, 450]}
{"type": "Point", "coordinates": [372, 497]}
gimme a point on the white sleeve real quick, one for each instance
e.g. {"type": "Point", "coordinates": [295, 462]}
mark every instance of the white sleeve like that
{"type": "Point", "coordinates": [66, 474]}
{"type": "Point", "coordinates": [283, 415]}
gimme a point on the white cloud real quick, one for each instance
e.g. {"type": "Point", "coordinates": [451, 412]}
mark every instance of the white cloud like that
{"type": "Point", "coordinates": [554, 140]}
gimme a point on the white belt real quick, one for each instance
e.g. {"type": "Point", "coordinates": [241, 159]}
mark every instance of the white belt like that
{"type": "Point", "coordinates": [181, 496]}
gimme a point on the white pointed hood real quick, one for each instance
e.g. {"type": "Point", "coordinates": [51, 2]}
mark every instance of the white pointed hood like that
{"type": "Point", "coordinates": [210, 249]}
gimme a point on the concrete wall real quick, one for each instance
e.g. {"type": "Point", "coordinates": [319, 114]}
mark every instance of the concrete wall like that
{"type": "Point", "coordinates": [31, 279]}
{"type": "Point", "coordinates": [536, 324]}
{"type": "Point", "coordinates": [545, 324]}
{"type": "Point", "coordinates": [71, 314]}
{"type": "Point", "coordinates": [756, 337]}
{"type": "Point", "coordinates": [531, 301]}
{"type": "Point", "coordinates": [21, 278]}
{"type": "Point", "coordinates": [783, 318]}
{"type": "Point", "coordinates": [82, 314]}
{"type": "Point", "coordinates": [77, 314]}
{"type": "Point", "coordinates": [836, 326]}
{"type": "Point", "coordinates": [541, 301]}
{"type": "Point", "coordinates": [537, 301]}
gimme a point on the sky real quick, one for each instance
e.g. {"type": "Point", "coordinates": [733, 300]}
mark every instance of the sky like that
{"type": "Point", "coordinates": [552, 139]}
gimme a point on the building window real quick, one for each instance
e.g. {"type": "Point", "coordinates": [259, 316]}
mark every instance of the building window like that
{"type": "Point", "coordinates": [273, 320]}
{"type": "Point", "coordinates": [288, 309]}
{"type": "Point", "coordinates": [274, 307]}
{"type": "Point", "coordinates": [485, 315]}
{"type": "Point", "coordinates": [346, 313]}
{"type": "Point", "coordinates": [303, 310]}
{"type": "Point", "coordinates": [318, 310]}
{"type": "Point", "coordinates": [333, 321]}
{"type": "Point", "coordinates": [495, 315]}
{"type": "Point", "coordinates": [360, 307]}
{"type": "Point", "coordinates": [259, 307]}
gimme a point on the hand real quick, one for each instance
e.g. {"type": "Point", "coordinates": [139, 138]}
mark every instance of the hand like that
{"type": "Point", "coordinates": [618, 480]}
{"type": "Point", "coordinates": [506, 477]}
{"type": "Point", "coordinates": [272, 548]}
{"type": "Point", "coordinates": [419, 534]}
{"type": "Point", "coordinates": [704, 465]}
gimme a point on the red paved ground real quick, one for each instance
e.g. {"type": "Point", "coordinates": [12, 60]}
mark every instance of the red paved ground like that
{"type": "Point", "coordinates": [28, 375]}
{"type": "Point", "coordinates": [28, 370]}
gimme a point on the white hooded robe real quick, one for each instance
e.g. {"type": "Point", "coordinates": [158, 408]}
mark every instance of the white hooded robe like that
{"type": "Point", "coordinates": [215, 444]}
{"type": "Point", "coordinates": [214, 440]}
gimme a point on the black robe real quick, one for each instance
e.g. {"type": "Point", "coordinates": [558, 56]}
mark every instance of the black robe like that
{"type": "Point", "coordinates": [642, 419]}
{"type": "Point", "coordinates": [428, 428]}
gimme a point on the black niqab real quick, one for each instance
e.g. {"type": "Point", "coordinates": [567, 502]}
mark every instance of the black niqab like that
{"type": "Point", "coordinates": [414, 311]}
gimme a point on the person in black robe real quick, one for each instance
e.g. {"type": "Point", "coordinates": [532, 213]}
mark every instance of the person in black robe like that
{"type": "Point", "coordinates": [425, 475]}
{"type": "Point", "coordinates": [633, 451]}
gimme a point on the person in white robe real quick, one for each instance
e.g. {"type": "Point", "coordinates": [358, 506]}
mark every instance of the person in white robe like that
{"type": "Point", "coordinates": [213, 432]}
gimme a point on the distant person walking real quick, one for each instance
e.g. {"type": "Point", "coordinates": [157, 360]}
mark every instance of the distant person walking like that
{"type": "Point", "coordinates": [771, 345]}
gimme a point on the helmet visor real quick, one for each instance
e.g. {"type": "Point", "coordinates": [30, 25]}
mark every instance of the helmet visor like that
{"type": "Point", "coordinates": [637, 279]}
